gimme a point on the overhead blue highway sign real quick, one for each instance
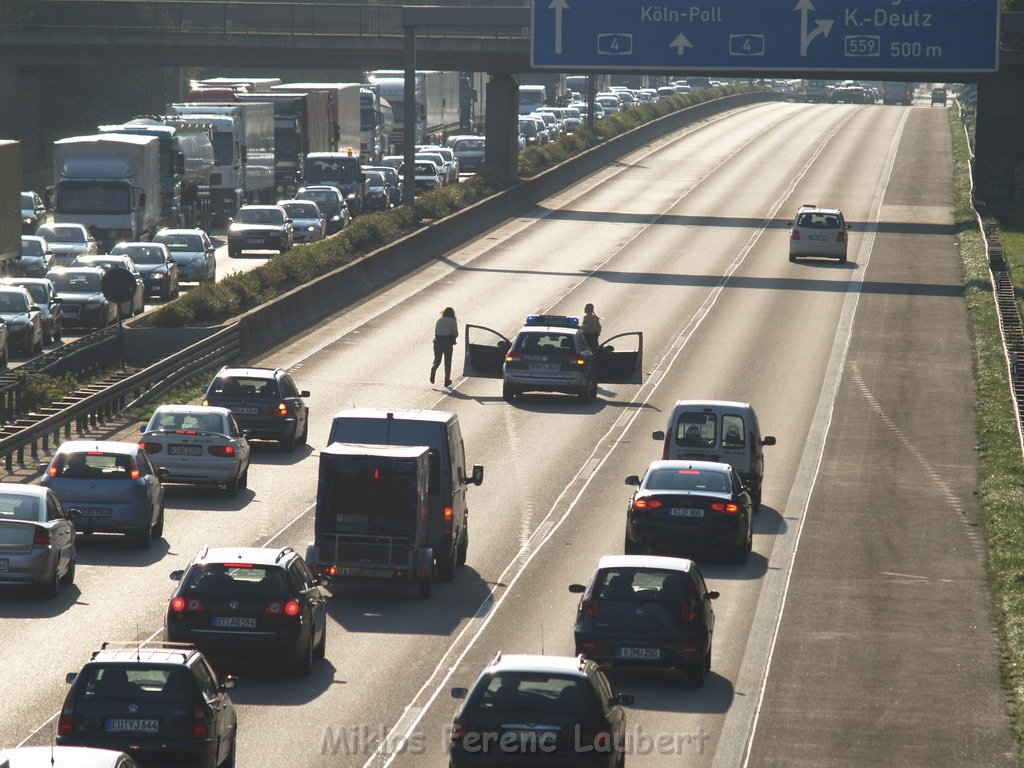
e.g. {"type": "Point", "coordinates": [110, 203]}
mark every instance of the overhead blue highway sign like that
{"type": "Point", "coordinates": [766, 35]}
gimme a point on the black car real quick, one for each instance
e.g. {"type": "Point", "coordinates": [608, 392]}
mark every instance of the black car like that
{"type": "Point", "coordinates": [136, 305]}
{"type": "Point", "coordinates": [260, 228]}
{"type": "Point", "coordinates": [156, 265]}
{"type": "Point", "coordinates": [33, 212]}
{"type": "Point", "coordinates": [640, 610]}
{"type": "Point", "coordinates": [331, 203]}
{"type": "Point", "coordinates": [539, 711]}
{"type": "Point", "coordinates": [265, 402]}
{"type": "Point", "coordinates": [244, 602]}
{"type": "Point", "coordinates": [391, 179]}
{"type": "Point", "coordinates": [23, 318]}
{"type": "Point", "coordinates": [35, 258]}
{"type": "Point", "coordinates": [158, 702]}
{"type": "Point", "coordinates": [81, 295]}
{"type": "Point", "coordinates": [684, 506]}
{"type": "Point", "coordinates": [44, 295]}
{"type": "Point", "coordinates": [378, 198]}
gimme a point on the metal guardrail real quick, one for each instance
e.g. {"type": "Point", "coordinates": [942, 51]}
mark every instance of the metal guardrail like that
{"type": "Point", "coordinates": [95, 408]}
{"type": "Point", "coordinates": [228, 18]}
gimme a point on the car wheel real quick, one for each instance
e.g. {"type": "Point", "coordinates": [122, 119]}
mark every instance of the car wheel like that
{"type": "Point", "coordinates": [233, 487]}
{"type": "Point", "coordinates": [426, 587]}
{"type": "Point", "coordinates": [739, 554]}
{"type": "Point", "coordinates": [38, 347]}
{"type": "Point", "coordinates": [508, 393]}
{"type": "Point", "coordinates": [243, 481]}
{"type": "Point", "coordinates": [321, 649]}
{"type": "Point", "coordinates": [158, 529]}
{"type": "Point", "coordinates": [697, 673]}
{"type": "Point", "coordinates": [58, 332]}
{"type": "Point", "coordinates": [167, 294]}
{"type": "Point", "coordinates": [234, 252]}
{"type": "Point", "coordinates": [584, 394]}
{"type": "Point", "coordinates": [48, 334]}
{"type": "Point", "coordinates": [305, 432]}
{"type": "Point", "coordinates": [842, 259]}
{"type": "Point", "coordinates": [446, 566]}
{"type": "Point", "coordinates": [52, 588]}
{"type": "Point", "coordinates": [462, 553]}
{"type": "Point", "coordinates": [707, 658]}
{"type": "Point", "coordinates": [69, 576]}
{"type": "Point", "coordinates": [630, 547]}
{"type": "Point", "coordinates": [792, 258]}
{"type": "Point", "coordinates": [229, 761]}
{"type": "Point", "coordinates": [145, 538]}
{"type": "Point", "coordinates": [304, 664]}
{"type": "Point", "coordinates": [755, 500]}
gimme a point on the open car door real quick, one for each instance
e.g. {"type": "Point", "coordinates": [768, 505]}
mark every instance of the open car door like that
{"type": "Point", "coordinates": [485, 352]}
{"type": "Point", "coordinates": [622, 363]}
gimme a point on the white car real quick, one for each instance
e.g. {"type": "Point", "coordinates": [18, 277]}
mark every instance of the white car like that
{"type": "Point", "coordinates": [308, 223]}
{"type": "Point", "coordinates": [64, 757]}
{"type": "Point", "coordinates": [818, 232]}
{"type": "Point", "coordinates": [198, 445]}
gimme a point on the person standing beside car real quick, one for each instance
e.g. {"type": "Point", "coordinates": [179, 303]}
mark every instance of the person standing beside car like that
{"type": "Point", "coordinates": [591, 326]}
{"type": "Point", "coordinates": [446, 332]}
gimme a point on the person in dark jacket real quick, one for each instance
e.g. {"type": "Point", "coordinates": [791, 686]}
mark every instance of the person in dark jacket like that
{"type": "Point", "coordinates": [446, 331]}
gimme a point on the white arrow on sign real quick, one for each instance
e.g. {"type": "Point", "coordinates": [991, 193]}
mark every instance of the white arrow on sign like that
{"type": "Point", "coordinates": [558, 6]}
{"type": "Point", "coordinates": [821, 27]}
{"type": "Point", "coordinates": [680, 44]}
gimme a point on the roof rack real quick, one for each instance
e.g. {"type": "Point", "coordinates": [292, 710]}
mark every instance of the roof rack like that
{"type": "Point", "coordinates": [284, 551]}
{"type": "Point", "coordinates": [184, 649]}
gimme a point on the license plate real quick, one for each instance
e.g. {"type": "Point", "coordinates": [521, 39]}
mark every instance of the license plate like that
{"type": "Point", "coordinates": [132, 725]}
{"type": "Point", "coordinates": [817, 237]}
{"type": "Point", "coordinates": [254, 240]}
{"type": "Point", "coordinates": [5, 564]}
{"type": "Point", "coordinates": [543, 366]}
{"type": "Point", "coordinates": [246, 411]}
{"type": "Point", "coordinates": [96, 511]}
{"type": "Point", "coordinates": [70, 312]}
{"type": "Point", "coordinates": [185, 450]}
{"type": "Point", "coordinates": [638, 653]}
{"type": "Point", "coordinates": [686, 512]}
{"type": "Point", "coordinates": [234, 622]}
{"type": "Point", "coordinates": [350, 571]}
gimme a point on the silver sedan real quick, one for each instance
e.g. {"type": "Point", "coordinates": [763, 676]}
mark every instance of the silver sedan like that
{"type": "Point", "coordinates": [37, 538]}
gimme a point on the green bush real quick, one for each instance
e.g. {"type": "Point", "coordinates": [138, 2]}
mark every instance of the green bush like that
{"type": "Point", "coordinates": [40, 389]}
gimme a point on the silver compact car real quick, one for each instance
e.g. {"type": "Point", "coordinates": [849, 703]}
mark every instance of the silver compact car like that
{"type": "Point", "coordinates": [818, 232]}
{"type": "Point", "coordinates": [37, 538]}
{"type": "Point", "coordinates": [193, 252]}
{"type": "Point", "coordinates": [44, 296]}
{"type": "Point", "coordinates": [68, 242]}
{"type": "Point", "coordinates": [308, 224]}
{"type": "Point", "coordinates": [24, 320]}
{"type": "Point", "coordinates": [198, 445]}
{"type": "Point", "coordinates": [114, 486]}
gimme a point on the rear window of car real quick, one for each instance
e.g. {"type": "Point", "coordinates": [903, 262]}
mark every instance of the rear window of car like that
{"type": "Point", "coordinates": [399, 432]}
{"type": "Point", "coordinates": [733, 431]}
{"type": "Point", "coordinates": [94, 465]}
{"type": "Point", "coordinates": [181, 242]}
{"type": "Point", "coordinates": [696, 429]}
{"type": "Point", "coordinates": [241, 386]}
{"type": "Point", "coordinates": [672, 479]}
{"type": "Point", "coordinates": [641, 585]}
{"type": "Point", "coordinates": [186, 422]}
{"type": "Point", "coordinates": [534, 692]}
{"type": "Point", "coordinates": [62, 234]}
{"type": "Point", "coordinates": [239, 579]}
{"type": "Point", "coordinates": [818, 221]}
{"type": "Point", "coordinates": [14, 506]}
{"type": "Point", "coordinates": [545, 342]}
{"type": "Point", "coordinates": [138, 683]}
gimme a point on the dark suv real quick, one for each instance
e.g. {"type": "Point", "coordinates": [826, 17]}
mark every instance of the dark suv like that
{"type": "Point", "coordinates": [248, 601]}
{"type": "Point", "coordinates": [539, 710]}
{"type": "Point", "coordinates": [265, 402]}
{"type": "Point", "coordinates": [155, 701]}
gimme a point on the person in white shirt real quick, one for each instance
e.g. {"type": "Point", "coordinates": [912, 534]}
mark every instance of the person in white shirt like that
{"type": "Point", "coordinates": [446, 331]}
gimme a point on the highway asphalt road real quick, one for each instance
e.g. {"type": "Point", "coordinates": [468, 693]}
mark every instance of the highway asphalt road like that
{"type": "Point", "coordinates": [859, 633]}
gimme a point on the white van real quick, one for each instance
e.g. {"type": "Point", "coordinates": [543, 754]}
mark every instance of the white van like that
{"type": "Point", "coordinates": [718, 430]}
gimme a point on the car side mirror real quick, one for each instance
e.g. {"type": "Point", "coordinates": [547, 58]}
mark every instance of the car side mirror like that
{"type": "Point", "coordinates": [478, 474]}
{"type": "Point", "coordinates": [624, 699]}
{"type": "Point", "coordinates": [304, 393]}
{"type": "Point", "coordinates": [70, 677]}
{"type": "Point", "coordinates": [659, 435]}
{"type": "Point", "coordinates": [245, 433]}
{"type": "Point", "coordinates": [34, 308]}
{"type": "Point", "coordinates": [789, 223]}
{"type": "Point", "coordinates": [847, 226]}
{"type": "Point", "coordinates": [73, 514]}
{"type": "Point", "coordinates": [228, 683]}
{"type": "Point", "coordinates": [162, 473]}
{"type": "Point", "coordinates": [768, 440]}
{"type": "Point", "coordinates": [177, 575]}
{"type": "Point", "coordinates": [633, 480]}
{"type": "Point", "coordinates": [577, 589]}
{"type": "Point", "coordinates": [460, 693]}
{"type": "Point", "coordinates": [713, 595]}
{"type": "Point", "coordinates": [289, 221]}
{"type": "Point", "coordinates": [323, 581]}
{"type": "Point", "coordinates": [41, 467]}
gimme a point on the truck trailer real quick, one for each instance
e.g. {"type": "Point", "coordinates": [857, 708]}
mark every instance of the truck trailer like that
{"type": "Point", "coordinates": [437, 104]}
{"type": "Point", "coordinates": [109, 183]}
{"type": "Point", "coordinates": [344, 108]}
{"type": "Point", "coordinates": [10, 203]}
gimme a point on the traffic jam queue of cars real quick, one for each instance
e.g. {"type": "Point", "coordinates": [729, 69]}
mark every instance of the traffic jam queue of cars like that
{"type": "Point", "coordinates": [648, 606]}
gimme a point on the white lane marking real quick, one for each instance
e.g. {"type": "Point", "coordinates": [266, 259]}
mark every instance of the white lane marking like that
{"type": "Point", "coordinates": [740, 723]}
{"type": "Point", "coordinates": [156, 632]}
{"type": "Point", "coordinates": [476, 626]}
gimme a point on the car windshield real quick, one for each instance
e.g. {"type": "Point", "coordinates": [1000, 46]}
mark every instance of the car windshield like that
{"type": "Point", "coordinates": [236, 580]}
{"type": "Point", "coordinates": [469, 145]}
{"type": "Point", "coordinates": [27, 201]}
{"type": "Point", "coordinates": [15, 506]}
{"type": "Point", "coordinates": [80, 282]}
{"type": "Point", "coordinates": [641, 585]}
{"type": "Point", "coordinates": [141, 254]}
{"type": "Point", "coordinates": [259, 216]}
{"type": "Point", "coordinates": [191, 243]}
{"type": "Point", "coordinates": [528, 127]}
{"type": "Point", "coordinates": [138, 683]}
{"type": "Point", "coordinates": [300, 211]}
{"type": "Point", "coordinates": [673, 479]}
{"type": "Point", "coordinates": [241, 386]}
{"type": "Point", "coordinates": [392, 162]}
{"type": "Point", "coordinates": [541, 692]}
{"type": "Point", "coordinates": [62, 234]}
{"type": "Point", "coordinates": [187, 422]}
{"type": "Point", "coordinates": [31, 248]}
{"type": "Point", "coordinates": [94, 465]}
{"type": "Point", "coordinates": [326, 201]}
{"type": "Point", "coordinates": [103, 264]}
{"type": "Point", "coordinates": [38, 291]}
{"type": "Point", "coordinates": [13, 301]}
{"type": "Point", "coordinates": [376, 179]}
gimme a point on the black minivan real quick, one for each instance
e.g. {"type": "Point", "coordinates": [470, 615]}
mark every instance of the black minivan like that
{"type": "Point", "coordinates": [448, 515]}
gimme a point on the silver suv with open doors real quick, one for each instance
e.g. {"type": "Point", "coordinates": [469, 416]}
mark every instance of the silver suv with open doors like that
{"type": "Point", "coordinates": [551, 354]}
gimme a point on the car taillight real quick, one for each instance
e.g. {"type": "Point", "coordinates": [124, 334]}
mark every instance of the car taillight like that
{"type": "Point", "coordinates": [67, 718]}
{"type": "Point", "coordinates": [646, 504]}
{"type": "Point", "coordinates": [726, 509]}
{"type": "Point", "coordinates": [449, 515]}
{"type": "Point", "coordinates": [514, 357]}
{"type": "Point", "coordinates": [576, 359]}
{"type": "Point", "coordinates": [592, 608]}
{"type": "Point", "coordinates": [281, 410]}
{"type": "Point", "coordinates": [795, 235]}
{"type": "Point", "coordinates": [135, 474]}
{"type": "Point", "coordinates": [221, 450]}
{"type": "Point", "coordinates": [841, 236]}
{"type": "Point", "coordinates": [689, 612]}
{"type": "Point", "coordinates": [41, 538]}
{"type": "Point", "coordinates": [58, 462]}
{"type": "Point", "coordinates": [179, 604]}
{"type": "Point", "coordinates": [151, 448]}
{"type": "Point", "coordinates": [200, 730]}
{"type": "Point", "coordinates": [290, 608]}
{"type": "Point", "coordinates": [458, 730]}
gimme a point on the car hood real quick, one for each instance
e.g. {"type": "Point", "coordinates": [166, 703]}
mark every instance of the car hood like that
{"type": "Point", "coordinates": [305, 222]}
{"type": "Point", "coordinates": [188, 255]}
{"type": "Point", "coordinates": [58, 248]}
{"type": "Point", "coordinates": [16, 317]}
{"type": "Point", "coordinates": [148, 269]}
{"type": "Point", "coordinates": [81, 297]}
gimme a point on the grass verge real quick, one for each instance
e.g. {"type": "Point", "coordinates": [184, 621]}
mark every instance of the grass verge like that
{"type": "Point", "coordinates": [1001, 472]}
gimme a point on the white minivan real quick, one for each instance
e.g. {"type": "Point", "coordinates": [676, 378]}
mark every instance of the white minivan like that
{"type": "Point", "coordinates": [718, 430]}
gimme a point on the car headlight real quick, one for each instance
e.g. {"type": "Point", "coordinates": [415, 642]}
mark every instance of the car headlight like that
{"type": "Point", "coordinates": [350, 196]}
{"type": "Point", "coordinates": [26, 221]}
{"type": "Point", "coordinates": [311, 229]}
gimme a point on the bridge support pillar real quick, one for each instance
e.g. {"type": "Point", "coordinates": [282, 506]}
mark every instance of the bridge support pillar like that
{"type": "Point", "coordinates": [999, 154]}
{"type": "Point", "coordinates": [502, 126]}
{"type": "Point", "coordinates": [19, 116]}
{"type": "Point", "coordinates": [10, 123]}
